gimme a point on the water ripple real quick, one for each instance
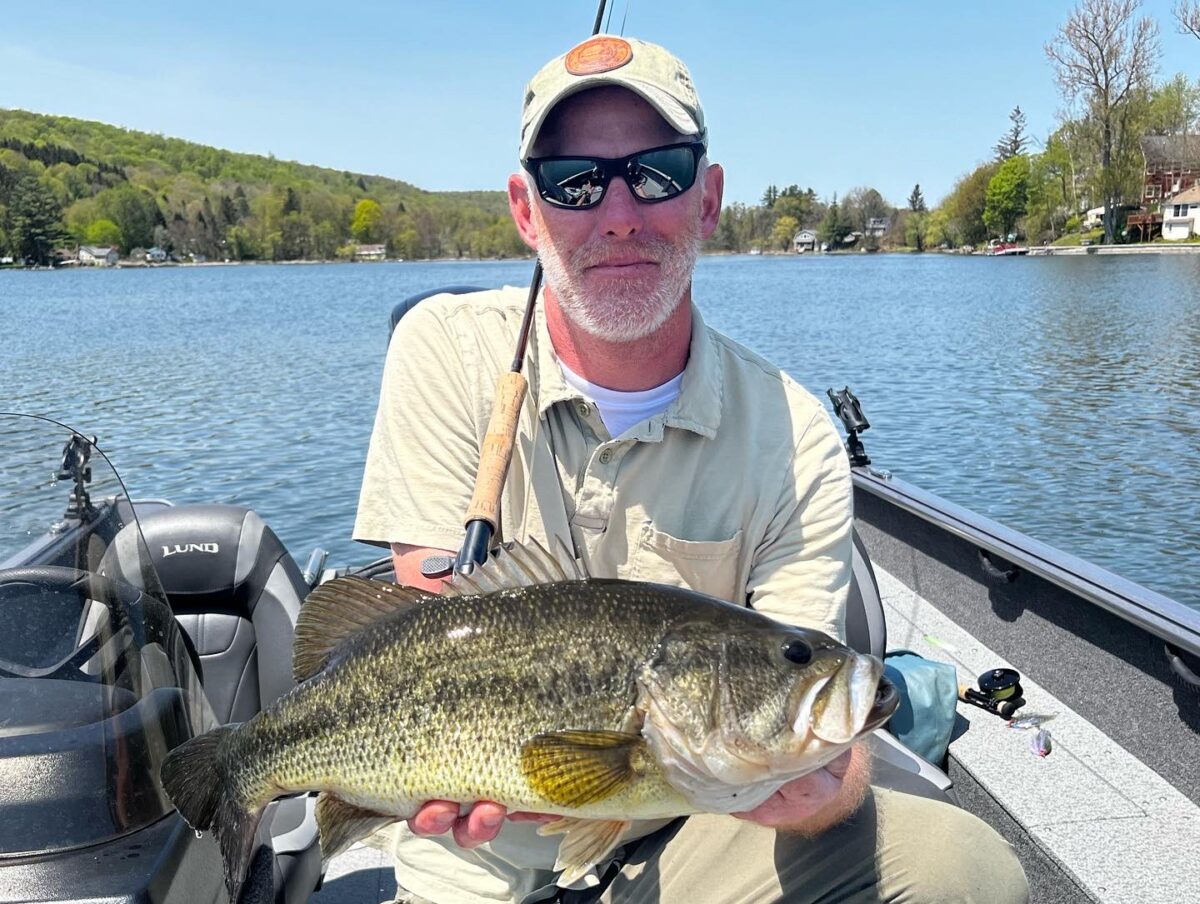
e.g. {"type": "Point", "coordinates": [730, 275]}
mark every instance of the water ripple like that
{"type": "Point", "coordinates": [1058, 395]}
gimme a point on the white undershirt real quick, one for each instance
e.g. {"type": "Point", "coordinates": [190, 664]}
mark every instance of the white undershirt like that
{"type": "Point", "coordinates": [621, 410]}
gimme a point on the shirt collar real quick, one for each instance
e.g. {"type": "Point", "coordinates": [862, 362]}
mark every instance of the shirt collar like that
{"type": "Point", "coordinates": [698, 407]}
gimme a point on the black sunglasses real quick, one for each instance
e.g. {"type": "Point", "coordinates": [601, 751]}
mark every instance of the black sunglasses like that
{"type": "Point", "coordinates": [654, 175]}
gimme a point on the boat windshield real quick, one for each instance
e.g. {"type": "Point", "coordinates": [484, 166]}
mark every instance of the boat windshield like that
{"type": "Point", "coordinates": [97, 681]}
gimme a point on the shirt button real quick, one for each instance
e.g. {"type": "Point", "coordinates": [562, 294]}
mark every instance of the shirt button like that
{"type": "Point", "coordinates": [606, 456]}
{"type": "Point", "coordinates": [584, 409]}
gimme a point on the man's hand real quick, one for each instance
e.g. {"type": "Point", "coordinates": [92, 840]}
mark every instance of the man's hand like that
{"type": "Point", "coordinates": [817, 801]}
{"type": "Point", "coordinates": [480, 825]}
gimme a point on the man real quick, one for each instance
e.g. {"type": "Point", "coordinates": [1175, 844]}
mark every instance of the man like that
{"type": "Point", "coordinates": [658, 450]}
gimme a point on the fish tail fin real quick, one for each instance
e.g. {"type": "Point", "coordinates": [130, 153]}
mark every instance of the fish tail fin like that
{"type": "Point", "coordinates": [192, 778]}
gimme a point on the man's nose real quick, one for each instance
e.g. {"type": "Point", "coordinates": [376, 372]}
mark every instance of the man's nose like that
{"type": "Point", "coordinates": [620, 211]}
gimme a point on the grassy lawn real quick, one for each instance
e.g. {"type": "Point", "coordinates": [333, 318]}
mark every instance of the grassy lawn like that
{"type": "Point", "coordinates": [1077, 238]}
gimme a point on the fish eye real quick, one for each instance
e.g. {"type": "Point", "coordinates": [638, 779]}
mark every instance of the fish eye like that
{"type": "Point", "coordinates": [797, 651]}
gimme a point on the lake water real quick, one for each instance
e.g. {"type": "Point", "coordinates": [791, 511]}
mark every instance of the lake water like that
{"type": "Point", "coordinates": [1058, 395]}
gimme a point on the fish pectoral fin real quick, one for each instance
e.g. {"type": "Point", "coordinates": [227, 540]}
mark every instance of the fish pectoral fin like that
{"type": "Point", "coordinates": [339, 609]}
{"type": "Point", "coordinates": [341, 824]}
{"type": "Point", "coordinates": [573, 768]}
{"type": "Point", "coordinates": [586, 843]}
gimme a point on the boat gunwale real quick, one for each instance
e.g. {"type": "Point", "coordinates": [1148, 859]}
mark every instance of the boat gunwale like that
{"type": "Point", "coordinates": [1159, 615]}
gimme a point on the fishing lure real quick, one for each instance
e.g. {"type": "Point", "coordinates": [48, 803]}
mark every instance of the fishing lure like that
{"type": "Point", "coordinates": [1040, 743]}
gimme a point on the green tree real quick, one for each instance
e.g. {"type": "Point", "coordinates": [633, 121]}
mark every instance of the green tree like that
{"type": "Point", "coordinates": [769, 196]}
{"type": "Point", "coordinates": [243, 244]}
{"type": "Point", "coordinates": [1104, 58]}
{"type": "Point", "coordinates": [134, 210]}
{"type": "Point", "coordinates": [1050, 194]}
{"type": "Point", "coordinates": [801, 204]}
{"type": "Point", "coordinates": [104, 233]}
{"type": "Point", "coordinates": [725, 238]}
{"type": "Point", "coordinates": [295, 238]}
{"type": "Point", "coordinates": [34, 221]}
{"type": "Point", "coordinates": [1006, 196]}
{"type": "Point", "coordinates": [833, 228]}
{"type": "Point", "coordinates": [1014, 140]}
{"type": "Point", "coordinates": [368, 216]}
{"type": "Point", "coordinates": [961, 213]}
{"type": "Point", "coordinates": [1174, 107]}
{"type": "Point", "coordinates": [785, 230]}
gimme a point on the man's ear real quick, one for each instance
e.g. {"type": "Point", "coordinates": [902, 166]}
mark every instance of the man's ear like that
{"type": "Point", "coordinates": [710, 207]}
{"type": "Point", "coordinates": [519, 205]}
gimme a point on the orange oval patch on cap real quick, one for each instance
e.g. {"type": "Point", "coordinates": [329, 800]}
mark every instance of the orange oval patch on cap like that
{"type": "Point", "coordinates": [599, 54]}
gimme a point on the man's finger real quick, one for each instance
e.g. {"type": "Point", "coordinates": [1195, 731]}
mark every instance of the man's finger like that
{"type": "Point", "coordinates": [436, 817]}
{"type": "Point", "coordinates": [484, 821]}
{"type": "Point", "coordinates": [481, 825]}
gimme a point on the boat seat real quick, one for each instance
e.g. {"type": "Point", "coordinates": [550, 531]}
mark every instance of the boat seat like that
{"type": "Point", "coordinates": [412, 301]}
{"type": "Point", "coordinates": [235, 591]}
{"type": "Point", "coordinates": [866, 629]}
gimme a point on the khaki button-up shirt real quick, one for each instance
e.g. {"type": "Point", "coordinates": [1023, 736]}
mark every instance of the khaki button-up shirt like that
{"type": "Point", "coordinates": [740, 489]}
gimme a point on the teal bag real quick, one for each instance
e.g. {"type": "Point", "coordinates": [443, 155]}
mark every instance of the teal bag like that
{"type": "Point", "coordinates": [928, 690]}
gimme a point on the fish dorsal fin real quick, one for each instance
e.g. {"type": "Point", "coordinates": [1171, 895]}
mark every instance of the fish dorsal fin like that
{"type": "Point", "coordinates": [339, 609]}
{"type": "Point", "coordinates": [574, 768]}
{"type": "Point", "coordinates": [586, 842]}
{"type": "Point", "coordinates": [518, 565]}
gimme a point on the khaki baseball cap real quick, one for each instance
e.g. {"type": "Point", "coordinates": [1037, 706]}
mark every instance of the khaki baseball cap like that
{"type": "Point", "coordinates": [652, 72]}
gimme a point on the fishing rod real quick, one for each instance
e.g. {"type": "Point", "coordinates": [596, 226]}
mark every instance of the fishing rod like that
{"type": "Point", "coordinates": [495, 455]}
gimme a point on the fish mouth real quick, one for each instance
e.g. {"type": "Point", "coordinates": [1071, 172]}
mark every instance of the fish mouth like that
{"type": "Point", "coordinates": [855, 700]}
{"type": "Point", "coordinates": [887, 698]}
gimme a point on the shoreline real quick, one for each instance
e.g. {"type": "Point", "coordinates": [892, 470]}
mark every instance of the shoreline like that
{"type": "Point", "coordinates": [1034, 251]}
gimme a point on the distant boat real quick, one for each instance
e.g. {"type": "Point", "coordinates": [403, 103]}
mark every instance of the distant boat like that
{"type": "Point", "coordinates": [996, 249]}
{"type": "Point", "coordinates": [756, 251]}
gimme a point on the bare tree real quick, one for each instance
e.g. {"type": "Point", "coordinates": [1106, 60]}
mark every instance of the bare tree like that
{"type": "Point", "coordinates": [1104, 57]}
{"type": "Point", "coordinates": [1187, 14]}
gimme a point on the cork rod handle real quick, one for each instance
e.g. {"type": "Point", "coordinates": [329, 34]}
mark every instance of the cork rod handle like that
{"type": "Point", "coordinates": [497, 450]}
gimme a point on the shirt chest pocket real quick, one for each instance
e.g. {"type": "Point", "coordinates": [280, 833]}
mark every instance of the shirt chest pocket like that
{"type": "Point", "coordinates": [706, 566]}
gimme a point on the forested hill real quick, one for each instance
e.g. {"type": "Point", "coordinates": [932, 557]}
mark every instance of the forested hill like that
{"type": "Point", "coordinates": [68, 181]}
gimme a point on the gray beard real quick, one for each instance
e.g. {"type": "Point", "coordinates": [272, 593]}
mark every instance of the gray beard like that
{"type": "Point", "coordinates": [631, 310]}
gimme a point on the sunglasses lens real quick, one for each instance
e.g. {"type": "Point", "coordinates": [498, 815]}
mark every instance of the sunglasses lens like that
{"type": "Point", "coordinates": [662, 174]}
{"type": "Point", "coordinates": [571, 182]}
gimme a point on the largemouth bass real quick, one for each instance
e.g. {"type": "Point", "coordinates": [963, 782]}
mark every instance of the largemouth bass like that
{"type": "Point", "coordinates": [599, 701]}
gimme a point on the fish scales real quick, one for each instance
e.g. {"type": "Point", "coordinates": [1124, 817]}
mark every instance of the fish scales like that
{"type": "Point", "coordinates": [437, 705]}
{"type": "Point", "coordinates": [602, 701]}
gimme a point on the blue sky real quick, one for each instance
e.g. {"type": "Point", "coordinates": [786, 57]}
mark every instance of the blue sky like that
{"type": "Point", "coordinates": [872, 93]}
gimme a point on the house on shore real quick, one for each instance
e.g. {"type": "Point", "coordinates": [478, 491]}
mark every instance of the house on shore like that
{"type": "Point", "coordinates": [97, 256]}
{"type": "Point", "coordinates": [804, 240]}
{"type": "Point", "coordinates": [370, 252]}
{"type": "Point", "coordinates": [1172, 167]}
{"type": "Point", "coordinates": [877, 227]}
{"type": "Point", "coordinates": [1181, 215]}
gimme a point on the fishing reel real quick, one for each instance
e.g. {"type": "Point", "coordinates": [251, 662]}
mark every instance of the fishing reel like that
{"type": "Point", "coordinates": [999, 692]}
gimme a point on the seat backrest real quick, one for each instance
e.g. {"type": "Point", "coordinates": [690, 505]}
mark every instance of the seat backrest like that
{"type": "Point", "coordinates": [866, 630]}
{"type": "Point", "coordinates": [412, 301]}
{"type": "Point", "coordinates": [237, 593]}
